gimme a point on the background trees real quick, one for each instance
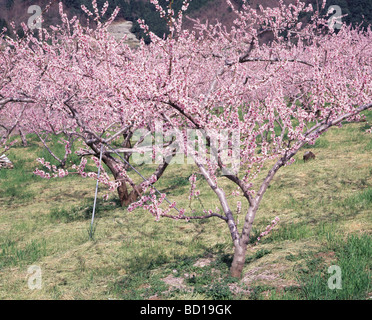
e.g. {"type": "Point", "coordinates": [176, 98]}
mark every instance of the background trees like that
{"type": "Point", "coordinates": [358, 12]}
{"type": "Point", "coordinates": [82, 84]}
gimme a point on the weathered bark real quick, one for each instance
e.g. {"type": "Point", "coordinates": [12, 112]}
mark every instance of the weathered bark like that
{"type": "Point", "coordinates": [125, 197]}
{"type": "Point", "coordinates": [122, 189]}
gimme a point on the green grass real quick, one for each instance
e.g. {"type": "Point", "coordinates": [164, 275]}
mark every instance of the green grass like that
{"type": "Point", "coordinates": [354, 258]}
{"type": "Point", "coordinates": [18, 181]}
{"type": "Point", "coordinates": [361, 201]}
{"type": "Point", "coordinates": [324, 206]}
{"type": "Point", "coordinates": [81, 212]}
{"type": "Point", "coordinates": [300, 231]}
{"type": "Point", "coordinates": [11, 254]}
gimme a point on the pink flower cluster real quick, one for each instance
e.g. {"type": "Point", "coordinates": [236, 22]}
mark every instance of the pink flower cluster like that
{"type": "Point", "coordinates": [80, 168]}
{"type": "Point", "coordinates": [152, 204]}
{"type": "Point", "coordinates": [268, 229]}
{"type": "Point", "coordinates": [239, 207]}
{"type": "Point", "coordinates": [193, 192]}
{"type": "Point", "coordinates": [56, 173]}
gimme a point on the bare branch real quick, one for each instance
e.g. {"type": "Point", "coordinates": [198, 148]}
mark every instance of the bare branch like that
{"type": "Point", "coordinates": [194, 217]}
{"type": "Point", "coordinates": [3, 102]}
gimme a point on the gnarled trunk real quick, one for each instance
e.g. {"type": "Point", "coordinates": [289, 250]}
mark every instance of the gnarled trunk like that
{"type": "Point", "coordinates": [125, 197]}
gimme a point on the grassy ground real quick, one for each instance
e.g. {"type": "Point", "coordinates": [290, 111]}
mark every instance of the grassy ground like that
{"type": "Point", "coordinates": [325, 207]}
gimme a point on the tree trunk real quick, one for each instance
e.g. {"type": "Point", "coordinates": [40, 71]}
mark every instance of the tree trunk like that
{"type": "Point", "coordinates": [124, 197]}
{"type": "Point", "coordinates": [237, 265]}
{"type": "Point", "coordinates": [240, 251]}
{"type": "Point", "coordinates": [23, 137]}
{"type": "Point", "coordinates": [122, 190]}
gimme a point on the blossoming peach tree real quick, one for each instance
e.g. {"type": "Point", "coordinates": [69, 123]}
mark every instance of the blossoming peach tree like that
{"type": "Point", "coordinates": [248, 104]}
{"type": "Point", "coordinates": [276, 96]}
